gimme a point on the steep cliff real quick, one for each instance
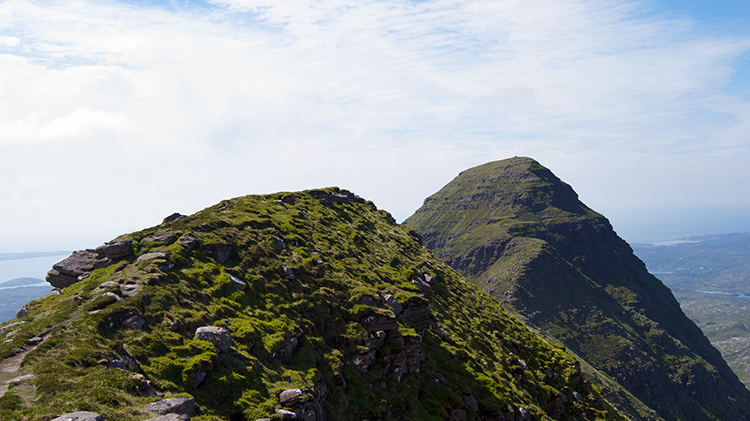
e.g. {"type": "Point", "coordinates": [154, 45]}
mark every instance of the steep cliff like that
{"type": "Point", "coordinates": [522, 235]}
{"type": "Point", "coordinates": [312, 305]}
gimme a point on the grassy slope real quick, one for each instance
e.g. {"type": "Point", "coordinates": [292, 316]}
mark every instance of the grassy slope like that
{"type": "Point", "coordinates": [522, 235]}
{"type": "Point", "coordinates": [338, 255]}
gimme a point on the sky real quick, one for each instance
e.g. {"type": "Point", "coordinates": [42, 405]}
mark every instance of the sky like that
{"type": "Point", "coordinates": [115, 114]}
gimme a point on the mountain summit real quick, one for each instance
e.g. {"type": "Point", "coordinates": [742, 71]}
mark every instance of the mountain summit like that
{"type": "Point", "coordinates": [522, 235]}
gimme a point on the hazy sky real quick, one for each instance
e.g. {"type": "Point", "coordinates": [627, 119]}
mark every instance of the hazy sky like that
{"type": "Point", "coordinates": [116, 114]}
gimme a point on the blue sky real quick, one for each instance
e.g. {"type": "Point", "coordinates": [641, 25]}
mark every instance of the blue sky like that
{"type": "Point", "coordinates": [116, 114]}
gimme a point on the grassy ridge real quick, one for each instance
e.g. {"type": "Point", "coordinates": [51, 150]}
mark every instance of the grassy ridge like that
{"type": "Point", "coordinates": [313, 309]}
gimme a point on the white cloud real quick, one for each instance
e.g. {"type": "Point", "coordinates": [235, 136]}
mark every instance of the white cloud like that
{"type": "Point", "coordinates": [184, 106]}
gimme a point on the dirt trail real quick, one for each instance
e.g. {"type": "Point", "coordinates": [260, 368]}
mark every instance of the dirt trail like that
{"type": "Point", "coordinates": [10, 368]}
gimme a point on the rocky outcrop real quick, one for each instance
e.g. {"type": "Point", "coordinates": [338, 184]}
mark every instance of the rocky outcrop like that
{"type": "Point", "coordinates": [330, 198]}
{"type": "Point", "coordinates": [81, 263]}
{"type": "Point", "coordinates": [80, 416]}
{"type": "Point", "coordinates": [304, 404]}
{"type": "Point", "coordinates": [173, 217]}
{"type": "Point", "coordinates": [178, 405]}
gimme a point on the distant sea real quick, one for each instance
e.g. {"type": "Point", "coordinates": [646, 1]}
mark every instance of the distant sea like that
{"type": "Point", "coordinates": [662, 225]}
{"type": "Point", "coordinates": [28, 265]}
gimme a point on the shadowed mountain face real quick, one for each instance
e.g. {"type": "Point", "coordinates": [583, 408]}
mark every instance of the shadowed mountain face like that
{"type": "Point", "coordinates": [522, 235]}
{"type": "Point", "coordinates": [311, 306]}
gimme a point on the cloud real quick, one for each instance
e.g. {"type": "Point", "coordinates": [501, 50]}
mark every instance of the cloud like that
{"type": "Point", "coordinates": [186, 104]}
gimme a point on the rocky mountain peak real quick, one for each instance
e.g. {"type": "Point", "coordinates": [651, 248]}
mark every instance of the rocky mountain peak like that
{"type": "Point", "coordinates": [522, 235]}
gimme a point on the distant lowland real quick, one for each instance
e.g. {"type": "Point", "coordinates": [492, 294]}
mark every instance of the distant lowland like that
{"type": "Point", "coordinates": [710, 277]}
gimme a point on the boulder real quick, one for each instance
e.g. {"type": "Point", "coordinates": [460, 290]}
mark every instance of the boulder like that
{"type": "Point", "coordinates": [173, 217]}
{"type": "Point", "coordinates": [423, 286]}
{"type": "Point", "coordinates": [220, 337]}
{"type": "Point", "coordinates": [332, 198]}
{"type": "Point", "coordinates": [471, 402]}
{"type": "Point", "coordinates": [393, 304]}
{"type": "Point", "coordinates": [167, 238]}
{"type": "Point", "coordinates": [178, 405]}
{"type": "Point", "coordinates": [80, 416]}
{"type": "Point", "coordinates": [171, 417]}
{"type": "Point", "coordinates": [277, 243]}
{"type": "Point", "coordinates": [287, 273]}
{"type": "Point", "coordinates": [292, 397]}
{"type": "Point", "coordinates": [188, 241]}
{"type": "Point", "coordinates": [22, 313]}
{"type": "Point", "coordinates": [165, 257]}
{"type": "Point", "coordinates": [69, 271]}
{"type": "Point", "coordinates": [238, 283]}
{"type": "Point", "coordinates": [134, 323]}
{"type": "Point", "coordinates": [115, 249]}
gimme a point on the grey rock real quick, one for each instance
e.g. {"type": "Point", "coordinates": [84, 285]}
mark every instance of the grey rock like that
{"type": "Point", "coordinates": [287, 415]}
{"type": "Point", "coordinates": [11, 325]}
{"type": "Point", "coordinates": [109, 284]}
{"type": "Point", "coordinates": [113, 295]}
{"type": "Point", "coordinates": [292, 397]}
{"type": "Point", "coordinates": [60, 280]}
{"type": "Point", "coordinates": [287, 273]}
{"type": "Point", "coordinates": [332, 198]}
{"type": "Point", "coordinates": [196, 378]}
{"type": "Point", "coordinates": [173, 217]}
{"type": "Point", "coordinates": [471, 402]}
{"type": "Point", "coordinates": [218, 252]}
{"type": "Point", "coordinates": [134, 322]}
{"type": "Point", "coordinates": [238, 283]}
{"type": "Point", "coordinates": [285, 353]}
{"type": "Point", "coordinates": [115, 249]}
{"type": "Point", "coordinates": [278, 243]}
{"type": "Point", "coordinates": [393, 304]}
{"type": "Point", "coordinates": [171, 417]}
{"type": "Point", "coordinates": [167, 238]}
{"type": "Point", "coordinates": [379, 322]}
{"type": "Point", "coordinates": [81, 262]}
{"type": "Point", "coordinates": [178, 405]}
{"type": "Point", "coordinates": [419, 315]}
{"type": "Point", "coordinates": [155, 255]}
{"type": "Point", "coordinates": [220, 337]}
{"type": "Point", "coordinates": [80, 416]}
{"type": "Point", "coordinates": [364, 362]}
{"type": "Point", "coordinates": [164, 256]}
{"type": "Point", "coordinates": [130, 290]}
{"type": "Point", "coordinates": [36, 340]}
{"type": "Point", "coordinates": [188, 241]}
{"type": "Point", "coordinates": [423, 286]}
{"type": "Point", "coordinates": [22, 313]}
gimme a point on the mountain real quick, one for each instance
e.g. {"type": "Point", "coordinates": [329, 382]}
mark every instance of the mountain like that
{"type": "Point", "coordinates": [522, 235]}
{"type": "Point", "coordinates": [312, 305]}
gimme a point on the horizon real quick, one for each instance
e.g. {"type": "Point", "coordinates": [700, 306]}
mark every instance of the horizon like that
{"type": "Point", "coordinates": [116, 114]}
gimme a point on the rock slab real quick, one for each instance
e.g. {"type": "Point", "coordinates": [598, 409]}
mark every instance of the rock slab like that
{"type": "Point", "coordinates": [178, 405]}
{"type": "Point", "coordinates": [80, 416]}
